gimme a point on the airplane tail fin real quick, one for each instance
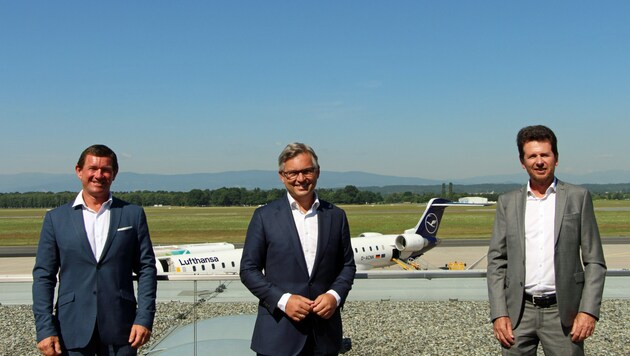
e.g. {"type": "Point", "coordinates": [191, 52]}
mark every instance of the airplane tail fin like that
{"type": "Point", "coordinates": [430, 222]}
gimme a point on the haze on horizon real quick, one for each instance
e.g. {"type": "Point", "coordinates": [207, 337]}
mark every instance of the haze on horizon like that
{"type": "Point", "coordinates": [412, 89]}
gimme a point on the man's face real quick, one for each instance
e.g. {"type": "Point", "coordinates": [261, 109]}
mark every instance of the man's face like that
{"type": "Point", "coordinates": [539, 162]}
{"type": "Point", "coordinates": [304, 182]}
{"type": "Point", "coordinates": [96, 175]}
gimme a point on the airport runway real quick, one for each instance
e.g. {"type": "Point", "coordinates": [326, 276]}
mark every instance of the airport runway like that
{"type": "Point", "coordinates": [16, 291]}
{"type": "Point", "coordinates": [20, 260]}
{"type": "Point", "coordinates": [473, 253]}
{"type": "Point", "coordinates": [30, 251]}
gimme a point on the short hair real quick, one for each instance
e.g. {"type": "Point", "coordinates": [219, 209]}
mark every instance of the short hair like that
{"type": "Point", "coordinates": [294, 149]}
{"type": "Point", "coordinates": [536, 133]}
{"type": "Point", "coordinates": [99, 151]}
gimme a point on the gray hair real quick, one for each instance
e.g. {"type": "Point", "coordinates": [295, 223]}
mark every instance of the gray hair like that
{"type": "Point", "coordinates": [294, 149]}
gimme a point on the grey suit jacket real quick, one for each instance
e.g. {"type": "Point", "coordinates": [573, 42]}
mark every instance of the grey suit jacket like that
{"type": "Point", "coordinates": [273, 264]}
{"type": "Point", "coordinates": [579, 263]}
{"type": "Point", "coordinates": [91, 291]}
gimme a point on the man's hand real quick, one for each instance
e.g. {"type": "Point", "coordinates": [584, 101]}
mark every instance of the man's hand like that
{"type": "Point", "coordinates": [325, 305]}
{"type": "Point", "coordinates": [583, 327]}
{"type": "Point", "coordinates": [50, 346]}
{"type": "Point", "coordinates": [139, 336]}
{"type": "Point", "coordinates": [298, 307]}
{"type": "Point", "coordinates": [503, 331]}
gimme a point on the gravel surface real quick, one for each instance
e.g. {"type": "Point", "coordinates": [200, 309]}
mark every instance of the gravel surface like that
{"type": "Point", "coordinates": [376, 328]}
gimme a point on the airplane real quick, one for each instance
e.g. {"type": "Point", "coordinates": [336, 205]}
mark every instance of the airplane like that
{"type": "Point", "coordinates": [371, 249]}
{"type": "Point", "coordinates": [169, 250]}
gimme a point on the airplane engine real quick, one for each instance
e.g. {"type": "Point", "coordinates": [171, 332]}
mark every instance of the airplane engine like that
{"type": "Point", "coordinates": [410, 242]}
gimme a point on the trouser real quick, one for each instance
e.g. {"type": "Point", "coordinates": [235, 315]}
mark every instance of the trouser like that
{"type": "Point", "coordinates": [96, 347]}
{"type": "Point", "coordinates": [543, 325]}
{"type": "Point", "coordinates": [310, 349]}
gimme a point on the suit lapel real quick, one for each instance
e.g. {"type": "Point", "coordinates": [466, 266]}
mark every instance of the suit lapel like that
{"type": "Point", "coordinates": [323, 235]}
{"type": "Point", "coordinates": [520, 217]}
{"type": "Point", "coordinates": [561, 202]}
{"type": "Point", "coordinates": [115, 212]}
{"type": "Point", "coordinates": [285, 218]}
{"type": "Point", "coordinates": [76, 215]}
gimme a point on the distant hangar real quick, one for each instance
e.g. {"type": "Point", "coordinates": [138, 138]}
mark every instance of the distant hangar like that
{"type": "Point", "coordinates": [473, 200]}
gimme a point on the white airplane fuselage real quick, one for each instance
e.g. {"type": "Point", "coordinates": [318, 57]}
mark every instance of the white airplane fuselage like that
{"type": "Point", "coordinates": [371, 249]}
{"type": "Point", "coordinates": [369, 252]}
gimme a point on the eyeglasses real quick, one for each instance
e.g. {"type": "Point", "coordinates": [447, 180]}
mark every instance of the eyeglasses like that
{"type": "Point", "coordinates": [306, 172]}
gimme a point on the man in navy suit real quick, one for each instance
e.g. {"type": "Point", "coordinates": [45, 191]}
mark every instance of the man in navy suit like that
{"type": "Point", "coordinates": [298, 261]}
{"type": "Point", "coordinates": [94, 245]}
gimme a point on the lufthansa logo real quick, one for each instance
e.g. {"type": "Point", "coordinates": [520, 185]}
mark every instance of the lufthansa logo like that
{"type": "Point", "coordinates": [431, 223]}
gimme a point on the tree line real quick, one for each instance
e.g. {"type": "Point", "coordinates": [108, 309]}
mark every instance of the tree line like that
{"type": "Point", "coordinates": [218, 197]}
{"type": "Point", "coordinates": [194, 197]}
{"type": "Point", "coordinates": [244, 197]}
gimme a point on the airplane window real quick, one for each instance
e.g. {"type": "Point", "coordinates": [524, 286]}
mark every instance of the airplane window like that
{"type": "Point", "coordinates": [213, 266]}
{"type": "Point", "coordinates": [356, 250]}
{"type": "Point", "coordinates": [376, 248]}
{"type": "Point", "coordinates": [363, 248]}
{"type": "Point", "coordinates": [223, 264]}
{"type": "Point", "coordinates": [194, 268]}
{"type": "Point", "coordinates": [370, 248]}
{"type": "Point", "coordinates": [203, 267]}
{"type": "Point", "coordinates": [233, 265]}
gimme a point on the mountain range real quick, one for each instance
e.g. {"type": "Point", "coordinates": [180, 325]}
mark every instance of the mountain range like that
{"type": "Point", "coordinates": [126, 181]}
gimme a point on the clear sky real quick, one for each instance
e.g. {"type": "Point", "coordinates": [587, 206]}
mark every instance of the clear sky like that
{"type": "Point", "coordinates": [431, 89]}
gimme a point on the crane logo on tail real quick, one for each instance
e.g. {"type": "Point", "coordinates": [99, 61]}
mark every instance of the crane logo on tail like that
{"type": "Point", "coordinates": [431, 223]}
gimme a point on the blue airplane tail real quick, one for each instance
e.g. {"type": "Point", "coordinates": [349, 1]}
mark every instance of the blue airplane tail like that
{"type": "Point", "coordinates": [429, 224]}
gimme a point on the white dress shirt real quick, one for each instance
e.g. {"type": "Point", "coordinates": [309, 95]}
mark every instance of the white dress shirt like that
{"type": "Point", "coordinates": [540, 215]}
{"type": "Point", "coordinates": [96, 224]}
{"type": "Point", "coordinates": [306, 224]}
{"type": "Point", "coordinates": [308, 230]}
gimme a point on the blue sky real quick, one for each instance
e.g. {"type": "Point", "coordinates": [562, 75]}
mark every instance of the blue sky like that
{"type": "Point", "coordinates": [431, 89]}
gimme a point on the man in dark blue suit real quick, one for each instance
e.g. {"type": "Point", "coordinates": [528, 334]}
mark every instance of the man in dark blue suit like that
{"type": "Point", "coordinates": [298, 261]}
{"type": "Point", "coordinates": [94, 245]}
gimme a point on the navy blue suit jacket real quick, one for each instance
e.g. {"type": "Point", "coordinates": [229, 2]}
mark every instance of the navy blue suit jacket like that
{"type": "Point", "coordinates": [273, 264]}
{"type": "Point", "coordinates": [91, 291]}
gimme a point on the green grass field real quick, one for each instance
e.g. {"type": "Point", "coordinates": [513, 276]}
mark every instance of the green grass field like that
{"type": "Point", "coordinates": [176, 225]}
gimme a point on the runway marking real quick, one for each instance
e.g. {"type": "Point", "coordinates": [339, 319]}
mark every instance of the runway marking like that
{"type": "Point", "coordinates": [618, 254]}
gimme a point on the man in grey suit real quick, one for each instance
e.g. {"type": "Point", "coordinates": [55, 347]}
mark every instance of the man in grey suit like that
{"type": "Point", "coordinates": [298, 261]}
{"type": "Point", "coordinates": [93, 245]}
{"type": "Point", "coordinates": [546, 265]}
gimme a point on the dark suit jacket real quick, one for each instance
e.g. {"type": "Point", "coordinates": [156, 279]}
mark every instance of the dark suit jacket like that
{"type": "Point", "coordinates": [579, 263]}
{"type": "Point", "coordinates": [91, 291]}
{"type": "Point", "coordinates": [273, 264]}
